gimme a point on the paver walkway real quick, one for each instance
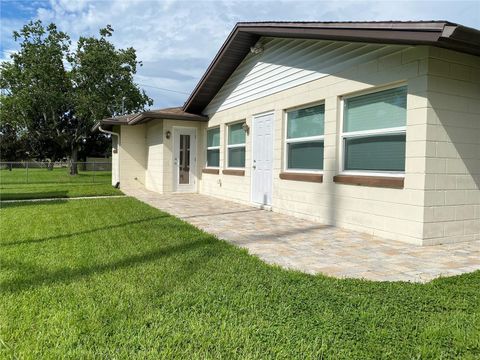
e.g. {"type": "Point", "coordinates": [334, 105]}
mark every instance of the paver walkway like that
{"type": "Point", "coordinates": [315, 248]}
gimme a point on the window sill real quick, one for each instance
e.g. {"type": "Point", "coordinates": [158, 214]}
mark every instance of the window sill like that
{"type": "Point", "coordinates": [210, 171]}
{"type": "Point", "coordinates": [318, 178]}
{"type": "Point", "coordinates": [374, 181]}
{"type": "Point", "coordinates": [233, 172]}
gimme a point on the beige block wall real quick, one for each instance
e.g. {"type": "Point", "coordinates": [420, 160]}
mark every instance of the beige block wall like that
{"type": "Point", "coordinates": [452, 198]}
{"type": "Point", "coordinates": [132, 153]}
{"type": "Point", "coordinates": [154, 173]}
{"type": "Point", "coordinates": [146, 154]}
{"type": "Point", "coordinates": [441, 199]}
{"type": "Point", "coordinates": [391, 213]}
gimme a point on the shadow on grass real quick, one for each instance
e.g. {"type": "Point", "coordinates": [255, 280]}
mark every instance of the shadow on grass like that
{"type": "Point", "coordinates": [67, 275]}
{"type": "Point", "coordinates": [23, 203]}
{"type": "Point", "coordinates": [34, 195]}
{"type": "Point", "coordinates": [70, 235]}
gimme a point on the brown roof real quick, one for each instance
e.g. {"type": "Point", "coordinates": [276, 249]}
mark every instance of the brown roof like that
{"type": "Point", "coordinates": [109, 122]}
{"type": "Point", "coordinates": [245, 34]}
{"type": "Point", "coordinates": [174, 113]}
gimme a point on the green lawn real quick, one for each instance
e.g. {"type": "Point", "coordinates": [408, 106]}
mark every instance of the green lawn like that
{"type": "Point", "coordinates": [115, 278]}
{"type": "Point", "coordinates": [57, 175]}
{"type": "Point", "coordinates": [57, 183]}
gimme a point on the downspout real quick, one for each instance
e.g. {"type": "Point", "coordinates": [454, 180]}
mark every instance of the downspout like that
{"type": "Point", "coordinates": [117, 185]}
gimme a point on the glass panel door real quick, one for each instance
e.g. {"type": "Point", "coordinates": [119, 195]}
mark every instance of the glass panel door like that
{"type": "Point", "coordinates": [184, 160]}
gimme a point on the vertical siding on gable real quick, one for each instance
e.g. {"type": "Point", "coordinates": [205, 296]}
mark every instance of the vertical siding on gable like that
{"type": "Point", "coordinates": [286, 63]}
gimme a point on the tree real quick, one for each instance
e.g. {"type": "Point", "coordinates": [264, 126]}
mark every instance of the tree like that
{"type": "Point", "coordinates": [12, 143]}
{"type": "Point", "coordinates": [57, 94]}
{"type": "Point", "coordinates": [37, 88]}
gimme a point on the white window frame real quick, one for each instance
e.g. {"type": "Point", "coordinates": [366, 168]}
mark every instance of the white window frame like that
{"type": "Point", "coordinates": [228, 146]}
{"type": "Point", "coordinates": [213, 148]}
{"type": "Point", "coordinates": [365, 133]}
{"type": "Point", "coordinates": [287, 141]}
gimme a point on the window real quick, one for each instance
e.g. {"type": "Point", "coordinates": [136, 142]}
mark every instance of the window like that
{"type": "Point", "coordinates": [373, 134]}
{"type": "Point", "coordinates": [236, 146]}
{"type": "Point", "coordinates": [304, 140]}
{"type": "Point", "coordinates": [213, 147]}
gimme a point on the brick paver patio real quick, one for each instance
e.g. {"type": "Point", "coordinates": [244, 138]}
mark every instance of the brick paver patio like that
{"type": "Point", "coordinates": [312, 247]}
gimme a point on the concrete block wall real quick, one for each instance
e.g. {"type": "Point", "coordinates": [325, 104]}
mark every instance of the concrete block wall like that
{"type": "Point", "coordinates": [155, 166]}
{"type": "Point", "coordinates": [392, 213]}
{"type": "Point", "coordinates": [146, 154]}
{"type": "Point", "coordinates": [452, 197]}
{"type": "Point", "coordinates": [132, 155]}
{"type": "Point", "coordinates": [440, 201]}
{"type": "Point", "coordinates": [233, 187]}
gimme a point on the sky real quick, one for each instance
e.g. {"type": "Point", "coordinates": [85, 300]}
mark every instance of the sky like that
{"type": "Point", "coordinates": [176, 40]}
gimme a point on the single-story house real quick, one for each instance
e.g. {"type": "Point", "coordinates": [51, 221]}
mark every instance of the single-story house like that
{"type": "Point", "coordinates": [371, 126]}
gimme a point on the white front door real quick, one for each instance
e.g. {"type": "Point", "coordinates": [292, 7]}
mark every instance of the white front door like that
{"type": "Point", "coordinates": [184, 159]}
{"type": "Point", "coordinates": [262, 158]}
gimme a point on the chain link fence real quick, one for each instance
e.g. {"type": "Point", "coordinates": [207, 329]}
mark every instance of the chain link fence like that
{"type": "Point", "coordinates": [34, 172]}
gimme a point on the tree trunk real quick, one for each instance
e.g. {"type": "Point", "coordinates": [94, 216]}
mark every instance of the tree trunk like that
{"type": "Point", "coordinates": [73, 161]}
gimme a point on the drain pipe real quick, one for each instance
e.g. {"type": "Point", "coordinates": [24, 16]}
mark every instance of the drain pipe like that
{"type": "Point", "coordinates": [117, 185]}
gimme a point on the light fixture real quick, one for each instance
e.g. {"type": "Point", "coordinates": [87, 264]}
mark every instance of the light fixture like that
{"type": "Point", "coordinates": [168, 134]}
{"type": "Point", "coordinates": [246, 128]}
{"type": "Point", "coordinates": [257, 48]}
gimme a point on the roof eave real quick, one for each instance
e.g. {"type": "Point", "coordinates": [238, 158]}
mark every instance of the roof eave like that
{"type": "Point", "coordinates": [109, 122]}
{"type": "Point", "coordinates": [150, 115]}
{"type": "Point", "coordinates": [435, 33]}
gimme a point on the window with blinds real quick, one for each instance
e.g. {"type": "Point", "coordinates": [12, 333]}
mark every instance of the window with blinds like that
{"type": "Point", "coordinates": [305, 137]}
{"type": "Point", "coordinates": [236, 146]}
{"type": "Point", "coordinates": [373, 135]}
{"type": "Point", "coordinates": [213, 147]}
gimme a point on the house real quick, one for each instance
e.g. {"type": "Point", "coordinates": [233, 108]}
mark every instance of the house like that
{"type": "Point", "coordinates": [371, 126]}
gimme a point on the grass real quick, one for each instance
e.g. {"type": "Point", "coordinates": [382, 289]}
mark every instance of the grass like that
{"type": "Point", "coordinates": [57, 183]}
{"type": "Point", "coordinates": [57, 175]}
{"type": "Point", "coordinates": [115, 278]}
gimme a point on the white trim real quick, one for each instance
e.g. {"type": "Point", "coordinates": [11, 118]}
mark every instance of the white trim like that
{"type": "Point", "coordinates": [374, 89]}
{"type": "Point", "coordinates": [304, 106]}
{"type": "Point", "coordinates": [303, 171]}
{"type": "Point", "coordinates": [233, 146]}
{"type": "Point", "coordinates": [286, 141]}
{"type": "Point", "coordinates": [236, 145]}
{"type": "Point", "coordinates": [366, 133]}
{"type": "Point", "coordinates": [305, 139]}
{"type": "Point", "coordinates": [373, 173]}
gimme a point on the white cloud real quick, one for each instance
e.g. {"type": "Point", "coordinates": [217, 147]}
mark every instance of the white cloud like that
{"type": "Point", "coordinates": [176, 40]}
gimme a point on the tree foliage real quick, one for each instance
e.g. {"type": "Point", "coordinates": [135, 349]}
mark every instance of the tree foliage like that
{"type": "Point", "coordinates": [53, 92]}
